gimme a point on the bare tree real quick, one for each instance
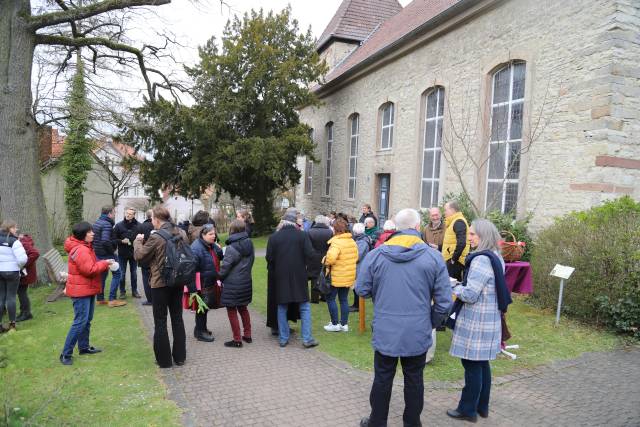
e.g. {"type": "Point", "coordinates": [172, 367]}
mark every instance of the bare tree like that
{"type": "Point", "coordinates": [485, 142]}
{"type": "Point", "coordinates": [56, 30]}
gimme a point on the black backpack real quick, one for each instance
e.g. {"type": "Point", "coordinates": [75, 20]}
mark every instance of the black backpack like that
{"type": "Point", "coordinates": [179, 262]}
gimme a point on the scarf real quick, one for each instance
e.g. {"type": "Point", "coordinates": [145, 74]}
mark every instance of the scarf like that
{"type": "Point", "coordinates": [502, 292]}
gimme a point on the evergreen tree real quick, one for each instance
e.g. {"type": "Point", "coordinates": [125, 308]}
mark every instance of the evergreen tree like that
{"type": "Point", "coordinates": [243, 134]}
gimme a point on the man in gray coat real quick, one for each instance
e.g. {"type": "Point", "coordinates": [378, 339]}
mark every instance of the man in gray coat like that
{"type": "Point", "coordinates": [403, 277]}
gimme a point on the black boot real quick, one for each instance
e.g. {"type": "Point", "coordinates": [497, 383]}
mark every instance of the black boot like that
{"type": "Point", "coordinates": [24, 316]}
{"type": "Point", "coordinates": [203, 336]}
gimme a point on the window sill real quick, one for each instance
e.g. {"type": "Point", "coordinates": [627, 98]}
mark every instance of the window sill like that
{"type": "Point", "coordinates": [384, 152]}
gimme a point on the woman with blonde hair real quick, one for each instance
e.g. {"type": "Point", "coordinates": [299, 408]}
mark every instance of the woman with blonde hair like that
{"type": "Point", "coordinates": [341, 258]}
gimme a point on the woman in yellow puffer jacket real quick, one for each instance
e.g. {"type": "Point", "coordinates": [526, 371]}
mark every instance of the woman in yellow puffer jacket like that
{"type": "Point", "coordinates": [342, 257]}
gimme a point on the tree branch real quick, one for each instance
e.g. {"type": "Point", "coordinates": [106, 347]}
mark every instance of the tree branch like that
{"type": "Point", "coordinates": [55, 18]}
{"type": "Point", "coordinates": [100, 41]}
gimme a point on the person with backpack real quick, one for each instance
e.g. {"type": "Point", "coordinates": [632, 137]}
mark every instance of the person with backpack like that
{"type": "Point", "coordinates": [162, 253]}
{"type": "Point", "coordinates": [208, 255]}
{"type": "Point", "coordinates": [237, 286]}
{"type": "Point", "coordinates": [12, 259]}
{"type": "Point", "coordinates": [83, 284]}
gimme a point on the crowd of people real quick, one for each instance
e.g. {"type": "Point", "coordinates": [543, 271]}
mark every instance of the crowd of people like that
{"type": "Point", "coordinates": [411, 273]}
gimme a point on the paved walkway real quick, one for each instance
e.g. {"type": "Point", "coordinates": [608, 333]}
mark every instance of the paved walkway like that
{"type": "Point", "coordinates": [264, 385]}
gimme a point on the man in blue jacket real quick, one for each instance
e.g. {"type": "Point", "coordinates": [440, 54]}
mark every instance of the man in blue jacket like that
{"type": "Point", "coordinates": [104, 246]}
{"type": "Point", "coordinates": [403, 276]}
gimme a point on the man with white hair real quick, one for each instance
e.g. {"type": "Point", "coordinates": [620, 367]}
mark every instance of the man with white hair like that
{"type": "Point", "coordinates": [371, 230]}
{"type": "Point", "coordinates": [403, 277]}
{"type": "Point", "coordinates": [434, 231]}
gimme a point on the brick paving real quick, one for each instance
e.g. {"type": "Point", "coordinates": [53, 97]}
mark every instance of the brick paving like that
{"type": "Point", "coordinates": [264, 385]}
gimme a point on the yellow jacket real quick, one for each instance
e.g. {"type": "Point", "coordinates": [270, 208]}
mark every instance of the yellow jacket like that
{"type": "Point", "coordinates": [449, 242]}
{"type": "Point", "coordinates": [342, 256]}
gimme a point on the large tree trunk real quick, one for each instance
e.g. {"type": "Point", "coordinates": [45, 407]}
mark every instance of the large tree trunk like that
{"type": "Point", "coordinates": [263, 213]}
{"type": "Point", "coordinates": [21, 196]}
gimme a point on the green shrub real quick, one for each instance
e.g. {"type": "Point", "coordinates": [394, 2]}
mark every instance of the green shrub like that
{"type": "Point", "coordinates": [603, 244]}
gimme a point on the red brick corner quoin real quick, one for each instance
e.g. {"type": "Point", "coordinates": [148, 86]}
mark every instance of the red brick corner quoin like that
{"type": "Point", "coordinates": [617, 162]}
{"type": "Point", "coordinates": [601, 188]}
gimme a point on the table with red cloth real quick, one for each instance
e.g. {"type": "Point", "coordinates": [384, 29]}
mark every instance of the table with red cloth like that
{"type": "Point", "coordinates": [517, 275]}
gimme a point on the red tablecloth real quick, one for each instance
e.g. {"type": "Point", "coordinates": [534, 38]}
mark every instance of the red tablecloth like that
{"type": "Point", "coordinates": [518, 277]}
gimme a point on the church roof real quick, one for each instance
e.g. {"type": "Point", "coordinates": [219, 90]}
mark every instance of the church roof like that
{"type": "Point", "coordinates": [393, 30]}
{"type": "Point", "coordinates": [356, 19]}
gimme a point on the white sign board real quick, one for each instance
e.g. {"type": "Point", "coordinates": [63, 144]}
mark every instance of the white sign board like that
{"type": "Point", "coordinates": [562, 271]}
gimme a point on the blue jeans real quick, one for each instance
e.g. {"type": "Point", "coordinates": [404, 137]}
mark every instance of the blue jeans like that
{"type": "Point", "coordinates": [115, 280]}
{"type": "Point", "coordinates": [305, 318]}
{"type": "Point", "coordinates": [477, 387]}
{"type": "Point", "coordinates": [134, 273]}
{"type": "Point", "coordinates": [343, 296]}
{"type": "Point", "coordinates": [81, 326]}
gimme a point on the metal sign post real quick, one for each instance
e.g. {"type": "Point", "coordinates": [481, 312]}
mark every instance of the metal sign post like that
{"type": "Point", "coordinates": [563, 272]}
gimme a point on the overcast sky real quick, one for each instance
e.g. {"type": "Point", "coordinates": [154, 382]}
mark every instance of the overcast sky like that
{"type": "Point", "coordinates": [194, 22]}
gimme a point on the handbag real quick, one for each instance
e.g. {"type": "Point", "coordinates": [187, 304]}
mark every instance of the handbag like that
{"type": "Point", "coordinates": [212, 295]}
{"type": "Point", "coordinates": [453, 314]}
{"type": "Point", "coordinates": [323, 283]}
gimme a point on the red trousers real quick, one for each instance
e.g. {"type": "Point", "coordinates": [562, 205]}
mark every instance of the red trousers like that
{"type": "Point", "coordinates": [232, 313]}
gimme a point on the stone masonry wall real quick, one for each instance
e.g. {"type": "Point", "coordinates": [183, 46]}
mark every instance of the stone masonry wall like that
{"type": "Point", "coordinates": [582, 109]}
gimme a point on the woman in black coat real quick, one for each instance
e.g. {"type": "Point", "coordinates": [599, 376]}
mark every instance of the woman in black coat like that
{"type": "Point", "coordinates": [208, 254]}
{"type": "Point", "coordinates": [319, 234]}
{"type": "Point", "coordinates": [237, 286]}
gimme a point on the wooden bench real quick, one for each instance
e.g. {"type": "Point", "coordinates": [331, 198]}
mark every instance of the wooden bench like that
{"type": "Point", "coordinates": [57, 271]}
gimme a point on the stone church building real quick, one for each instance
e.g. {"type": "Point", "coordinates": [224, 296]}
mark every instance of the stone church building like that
{"type": "Point", "coordinates": [527, 106]}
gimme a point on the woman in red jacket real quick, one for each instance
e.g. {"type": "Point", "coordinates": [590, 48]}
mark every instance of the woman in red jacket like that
{"type": "Point", "coordinates": [83, 284]}
{"type": "Point", "coordinates": [28, 279]}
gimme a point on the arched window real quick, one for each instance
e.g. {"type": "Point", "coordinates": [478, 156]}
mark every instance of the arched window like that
{"type": "Point", "coordinates": [354, 126]}
{"type": "Point", "coordinates": [387, 112]}
{"type": "Point", "coordinates": [329, 136]}
{"type": "Point", "coordinates": [505, 146]}
{"type": "Point", "coordinates": [432, 147]}
{"type": "Point", "coordinates": [308, 170]}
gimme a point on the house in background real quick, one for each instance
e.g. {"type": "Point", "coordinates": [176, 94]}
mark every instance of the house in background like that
{"type": "Point", "coordinates": [530, 106]}
{"type": "Point", "coordinates": [97, 194]}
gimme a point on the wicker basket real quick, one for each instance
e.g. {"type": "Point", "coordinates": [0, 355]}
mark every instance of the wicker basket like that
{"type": "Point", "coordinates": [511, 250]}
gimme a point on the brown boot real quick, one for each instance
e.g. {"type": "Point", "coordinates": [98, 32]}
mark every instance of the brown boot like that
{"type": "Point", "coordinates": [117, 303]}
{"type": "Point", "coordinates": [3, 329]}
{"type": "Point", "coordinates": [12, 326]}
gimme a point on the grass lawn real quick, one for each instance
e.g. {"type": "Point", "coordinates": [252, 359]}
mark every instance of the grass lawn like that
{"type": "Point", "coordinates": [540, 342]}
{"type": "Point", "coordinates": [259, 242]}
{"type": "Point", "coordinates": [120, 386]}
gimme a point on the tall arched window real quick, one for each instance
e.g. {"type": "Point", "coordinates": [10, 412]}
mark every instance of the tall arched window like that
{"type": "Point", "coordinates": [505, 146]}
{"type": "Point", "coordinates": [354, 123]}
{"type": "Point", "coordinates": [432, 147]}
{"type": "Point", "coordinates": [327, 183]}
{"type": "Point", "coordinates": [308, 170]}
{"type": "Point", "coordinates": [387, 112]}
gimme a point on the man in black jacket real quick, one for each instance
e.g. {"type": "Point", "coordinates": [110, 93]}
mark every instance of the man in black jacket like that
{"type": "Point", "coordinates": [104, 246]}
{"type": "Point", "coordinates": [288, 252]}
{"type": "Point", "coordinates": [125, 233]}
{"type": "Point", "coordinates": [368, 213]}
{"type": "Point", "coordinates": [319, 234]}
{"type": "Point", "coordinates": [146, 228]}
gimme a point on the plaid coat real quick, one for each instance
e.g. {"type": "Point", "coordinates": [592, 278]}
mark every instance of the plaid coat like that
{"type": "Point", "coordinates": [477, 333]}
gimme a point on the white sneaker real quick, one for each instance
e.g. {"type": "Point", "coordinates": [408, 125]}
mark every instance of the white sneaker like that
{"type": "Point", "coordinates": [330, 327]}
{"type": "Point", "coordinates": [344, 328]}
